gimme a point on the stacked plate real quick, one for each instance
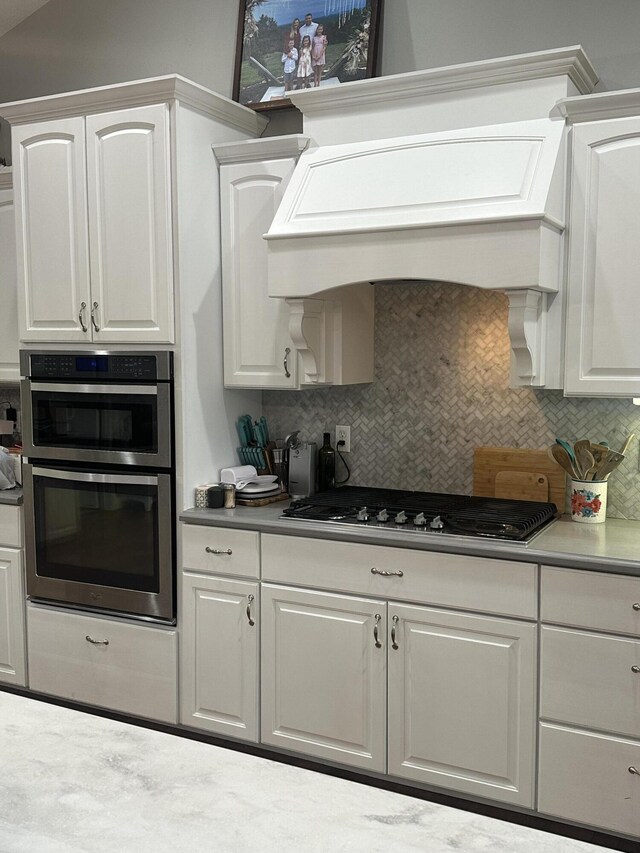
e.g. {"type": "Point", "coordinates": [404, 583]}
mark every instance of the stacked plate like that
{"type": "Point", "coordinates": [260, 486]}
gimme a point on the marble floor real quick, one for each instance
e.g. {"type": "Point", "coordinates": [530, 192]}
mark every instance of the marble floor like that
{"type": "Point", "coordinates": [74, 783]}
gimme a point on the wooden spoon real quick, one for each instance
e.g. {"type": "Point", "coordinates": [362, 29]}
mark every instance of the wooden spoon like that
{"type": "Point", "coordinates": [609, 465]}
{"type": "Point", "coordinates": [560, 455]}
{"type": "Point", "coordinates": [584, 458]}
{"type": "Point", "coordinates": [625, 446]}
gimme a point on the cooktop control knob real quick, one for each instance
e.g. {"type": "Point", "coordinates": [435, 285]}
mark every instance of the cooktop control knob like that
{"type": "Point", "coordinates": [383, 515]}
{"type": "Point", "coordinates": [363, 514]}
{"type": "Point", "coordinates": [401, 517]}
{"type": "Point", "coordinates": [420, 520]}
{"type": "Point", "coordinates": [437, 523]}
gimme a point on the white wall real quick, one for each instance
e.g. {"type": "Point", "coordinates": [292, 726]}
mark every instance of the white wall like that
{"type": "Point", "coordinates": [75, 44]}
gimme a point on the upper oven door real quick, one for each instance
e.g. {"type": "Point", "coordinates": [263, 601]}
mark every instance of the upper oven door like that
{"type": "Point", "coordinates": [102, 423]}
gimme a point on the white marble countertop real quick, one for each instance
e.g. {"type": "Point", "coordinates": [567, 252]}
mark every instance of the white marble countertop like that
{"type": "Point", "coordinates": [610, 547]}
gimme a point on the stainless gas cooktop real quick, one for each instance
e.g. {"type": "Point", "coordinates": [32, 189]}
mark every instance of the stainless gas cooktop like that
{"type": "Point", "coordinates": [426, 513]}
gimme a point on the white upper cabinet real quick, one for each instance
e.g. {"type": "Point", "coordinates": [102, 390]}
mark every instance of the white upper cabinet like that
{"type": "Point", "coordinates": [258, 350]}
{"type": "Point", "coordinates": [94, 236]}
{"type": "Point", "coordinates": [9, 369]}
{"type": "Point", "coordinates": [603, 344]}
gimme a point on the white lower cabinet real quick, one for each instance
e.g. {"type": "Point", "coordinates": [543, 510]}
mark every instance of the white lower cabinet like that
{"type": "Point", "coordinates": [461, 701]}
{"type": "Point", "coordinates": [219, 655]}
{"type": "Point", "coordinates": [114, 664]}
{"type": "Point", "coordinates": [324, 675]}
{"type": "Point", "coordinates": [462, 692]}
{"type": "Point", "coordinates": [12, 633]}
{"type": "Point", "coordinates": [590, 777]}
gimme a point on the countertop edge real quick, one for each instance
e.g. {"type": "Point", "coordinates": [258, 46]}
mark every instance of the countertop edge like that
{"type": "Point", "coordinates": [491, 549]}
{"type": "Point", "coordinates": [11, 497]}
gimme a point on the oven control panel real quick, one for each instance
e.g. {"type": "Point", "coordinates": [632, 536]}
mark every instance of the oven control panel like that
{"type": "Point", "coordinates": [145, 367]}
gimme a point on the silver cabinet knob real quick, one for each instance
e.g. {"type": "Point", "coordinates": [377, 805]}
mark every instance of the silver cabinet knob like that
{"type": "Point", "coordinates": [387, 574]}
{"type": "Point", "coordinates": [634, 771]}
{"type": "Point", "coordinates": [96, 642]}
{"type": "Point", "coordinates": [636, 606]}
{"type": "Point", "coordinates": [376, 639]}
{"type": "Point", "coordinates": [250, 599]}
{"type": "Point", "coordinates": [94, 308]}
{"type": "Point", "coordinates": [83, 306]}
{"type": "Point", "coordinates": [635, 668]}
{"type": "Point", "coordinates": [218, 550]}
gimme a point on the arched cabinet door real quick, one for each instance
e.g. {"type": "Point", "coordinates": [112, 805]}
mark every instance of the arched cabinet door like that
{"type": "Point", "coordinates": [51, 230]}
{"type": "Point", "coordinates": [130, 225]}
{"type": "Point", "coordinates": [603, 345]}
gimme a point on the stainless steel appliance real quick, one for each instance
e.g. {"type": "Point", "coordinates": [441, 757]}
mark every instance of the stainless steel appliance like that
{"type": "Point", "coordinates": [302, 469]}
{"type": "Point", "coordinates": [426, 513]}
{"type": "Point", "coordinates": [99, 482]}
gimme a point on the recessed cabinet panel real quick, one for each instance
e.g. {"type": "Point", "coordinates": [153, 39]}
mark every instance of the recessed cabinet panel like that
{"type": "Point", "coordinates": [256, 336]}
{"type": "Point", "coordinates": [603, 345]}
{"type": "Point", "coordinates": [51, 230]}
{"type": "Point", "coordinates": [462, 702]}
{"type": "Point", "coordinates": [323, 676]}
{"type": "Point", "coordinates": [12, 630]}
{"type": "Point", "coordinates": [219, 674]}
{"type": "Point", "coordinates": [130, 224]}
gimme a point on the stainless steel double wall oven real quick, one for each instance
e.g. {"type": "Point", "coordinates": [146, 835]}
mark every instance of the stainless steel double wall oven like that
{"type": "Point", "coordinates": [99, 480]}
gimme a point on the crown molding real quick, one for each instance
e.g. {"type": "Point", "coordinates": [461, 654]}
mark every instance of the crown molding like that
{"type": "Point", "coordinates": [271, 148]}
{"type": "Point", "coordinates": [602, 105]}
{"type": "Point", "coordinates": [570, 61]}
{"type": "Point", "coordinates": [170, 87]}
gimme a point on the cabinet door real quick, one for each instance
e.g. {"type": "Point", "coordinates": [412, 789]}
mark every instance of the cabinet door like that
{"type": "Point", "coordinates": [129, 180]}
{"type": "Point", "coordinates": [256, 337]}
{"type": "Point", "coordinates": [219, 666]}
{"type": "Point", "coordinates": [9, 369]}
{"type": "Point", "coordinates": [324, 675]}
{"type": "Point", "coordinates": [49, 184]}
{"type": "Point", "coordinates": [603, 345]}
{"type": "Point", "coordinates": [462, 702]}
{"type": "Point", "coordinates": [12, 630]}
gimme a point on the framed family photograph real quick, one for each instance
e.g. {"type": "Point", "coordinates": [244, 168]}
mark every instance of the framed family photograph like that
{"type": "Point", "coordinates": [287, 45]}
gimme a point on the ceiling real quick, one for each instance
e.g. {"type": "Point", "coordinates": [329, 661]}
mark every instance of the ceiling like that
{"type": "Point", "coordinates": [14, 11]}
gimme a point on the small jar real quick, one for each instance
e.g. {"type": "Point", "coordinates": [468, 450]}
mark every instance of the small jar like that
{"type": "Point", "coordinates": [229, 495]}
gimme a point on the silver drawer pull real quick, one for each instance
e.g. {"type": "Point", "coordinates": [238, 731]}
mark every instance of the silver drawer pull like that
{"type": "Point", "coordinates": [287, 350]}
{"type": "Point", "coordinates": [395, 620]}
{"type": "Point", "coordinates": [218, 550]}
{"type": "Point", "coordinates": [83, 325]}
{"type": "Point", "coordinates": [250, 599]}
{"type": "Point", "coordinates": [635, 668]}
{"type": "Point", "coordinates": [634, 771]}
{"type": "Point", "coordinates": [96, 642]}
{"type": "Point", "coordinates": [398, 574]}
{"type": "Point", "coordinates": [94, 308]}
{"type": "Point", "coordinates": [636, 606]}
{"type": "Point", "coordinates": [378, 644]}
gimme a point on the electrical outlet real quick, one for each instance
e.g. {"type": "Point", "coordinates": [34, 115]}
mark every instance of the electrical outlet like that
{"type": "Point", "coordinates": [343, 433]}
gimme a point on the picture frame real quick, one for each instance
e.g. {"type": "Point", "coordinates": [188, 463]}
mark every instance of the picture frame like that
{"type": "Point", "coordinates": [268, 67]}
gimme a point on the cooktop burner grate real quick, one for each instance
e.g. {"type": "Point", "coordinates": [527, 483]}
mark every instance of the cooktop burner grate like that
{"type": "Point", "coordinates": [426, 512]}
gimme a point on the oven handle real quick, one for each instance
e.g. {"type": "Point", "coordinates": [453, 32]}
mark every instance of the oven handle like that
{"type": "Point", "coordinates": [94, 389]}
{"type": "Point", "coordinates": [77, 476]}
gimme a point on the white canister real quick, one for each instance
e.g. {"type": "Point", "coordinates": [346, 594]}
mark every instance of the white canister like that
{"type": "Point", "coordinates": [589, 501]}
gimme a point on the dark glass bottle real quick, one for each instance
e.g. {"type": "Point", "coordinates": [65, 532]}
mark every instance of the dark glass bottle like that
{"type": "Point", "coordinates": [326, 465]}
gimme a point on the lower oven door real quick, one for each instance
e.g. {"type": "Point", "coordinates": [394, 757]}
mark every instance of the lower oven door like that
{"type": "Point", "coordinates": [100, 539]}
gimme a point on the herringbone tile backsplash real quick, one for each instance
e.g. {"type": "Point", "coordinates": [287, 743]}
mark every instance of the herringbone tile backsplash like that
{"type": "Point", "coordinates": [442, 388]}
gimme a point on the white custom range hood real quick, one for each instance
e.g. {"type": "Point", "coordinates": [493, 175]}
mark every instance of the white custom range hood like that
{"type": "Point", "coordinates": [454, 174]}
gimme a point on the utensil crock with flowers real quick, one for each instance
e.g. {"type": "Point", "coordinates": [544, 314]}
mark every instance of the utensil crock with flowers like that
{"type": "Point", "coordinates": [589, 501]}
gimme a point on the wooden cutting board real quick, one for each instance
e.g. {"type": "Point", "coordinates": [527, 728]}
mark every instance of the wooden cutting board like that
{"type": "Point", "coordinates": [494, 469]}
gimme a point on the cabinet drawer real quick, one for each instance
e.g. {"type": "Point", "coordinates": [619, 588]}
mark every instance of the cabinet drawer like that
{"type": "Point", "coordinates": [221, 551]}
{"type": "Point", "coordinates": [136, 673]}
{"type": "Point", "coordinates": [10, 526]}
{"type": "Point", "coordinates": [451, 580]}
{"type": "Point", "coordinates": [585, 777]}
{"type": "Point", "coordinates": [589, 680]}
{"type": "Point", "coordinates": [591, 600]}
